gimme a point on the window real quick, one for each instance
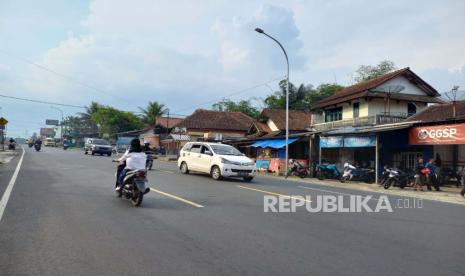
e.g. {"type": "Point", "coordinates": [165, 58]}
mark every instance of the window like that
{"type": "Point", "coordinates": [412, 109]}
{"type": "Point", "coordinates": [406, 160]}
{"type": "Point", "coordinates": [225, 150]}
{"type": "Point", "coordinates": [204, 149]}
{"type": "Point", "coordinates": [334, 114]}
{"type": "Point", "coordinates": [195, 148]}
{"type": "Point", "coordinates": [356, 108]}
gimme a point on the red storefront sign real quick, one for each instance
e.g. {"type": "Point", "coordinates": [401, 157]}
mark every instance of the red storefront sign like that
{"type": "Point", "coordinates": [437, 135]}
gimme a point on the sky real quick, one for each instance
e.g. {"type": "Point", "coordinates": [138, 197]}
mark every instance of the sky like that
{"type": "Point", "coordinates": [190, 54]}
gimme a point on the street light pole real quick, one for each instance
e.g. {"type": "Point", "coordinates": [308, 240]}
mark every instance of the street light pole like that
{"type": "Point", "coordinates": [61, 123]}
{"type": "Point", "coordinates": [258, 30]}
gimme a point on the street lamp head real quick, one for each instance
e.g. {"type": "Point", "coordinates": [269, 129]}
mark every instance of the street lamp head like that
{"type": "Point", "coordinates": [258, 30]}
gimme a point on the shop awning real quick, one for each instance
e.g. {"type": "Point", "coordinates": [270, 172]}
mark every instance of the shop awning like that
{"type": "Point", "coordinates": [276, 144]}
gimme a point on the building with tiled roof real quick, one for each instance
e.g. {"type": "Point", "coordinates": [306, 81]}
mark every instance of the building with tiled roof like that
{"type": "Point", "coordinates": [389, 98]}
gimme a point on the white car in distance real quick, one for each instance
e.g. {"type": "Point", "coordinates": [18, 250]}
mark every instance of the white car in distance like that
{"type": "Point", "coordinates": [218, 160]}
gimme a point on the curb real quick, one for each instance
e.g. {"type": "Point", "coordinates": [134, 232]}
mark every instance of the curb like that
{"type": "Point", "coordinates": [446, 197]}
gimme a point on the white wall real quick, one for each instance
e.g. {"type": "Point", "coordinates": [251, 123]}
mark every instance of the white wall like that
{"type": "Point", "coordinates": [409, 88]}
{"type": "Point", "coordinates": [272, 125]}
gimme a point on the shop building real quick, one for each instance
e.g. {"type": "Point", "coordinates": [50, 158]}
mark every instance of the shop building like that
{"type": "Point", "coordinates": [363, 122]}
{"type": "Point", "coordinates": [442, 128]}
{"type": "Point", "coordinates": [265, 140]}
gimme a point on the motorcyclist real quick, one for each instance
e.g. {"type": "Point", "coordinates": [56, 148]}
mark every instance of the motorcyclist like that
{"type": "Point", "coordinates": [133, 159]}
{"type": "Point", "coordinates": [12, 144]}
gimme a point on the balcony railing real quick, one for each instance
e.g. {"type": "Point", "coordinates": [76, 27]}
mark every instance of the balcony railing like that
{"type": "Point", "coordinates": [379, 119]}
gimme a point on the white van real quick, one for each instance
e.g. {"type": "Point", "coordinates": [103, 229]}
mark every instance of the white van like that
{"type": "Point", "coordinates": [218, 160]}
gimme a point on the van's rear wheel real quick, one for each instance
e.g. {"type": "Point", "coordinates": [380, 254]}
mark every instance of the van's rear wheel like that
{"type": "Point", "coordinates": [184, 168]}
{"type": "Point", "coordinates": [216, 173]}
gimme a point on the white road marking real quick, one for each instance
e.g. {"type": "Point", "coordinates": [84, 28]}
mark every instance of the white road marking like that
{"type": "Point", "coordinates": [328, 191]}
{"type": "Point", "coordinates": [9, 188]}
{"type": "Point", "coordinates": [177, 198]}
{"type": "Point", "coordinates": [271, 193]}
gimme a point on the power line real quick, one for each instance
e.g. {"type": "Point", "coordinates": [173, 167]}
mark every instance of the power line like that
{"type": "Point", "coordinates": [232, 94]}
{"type": "Point", "coordinates": [63, 76]}
{"type": "Point", "coordinates": [40, 101]}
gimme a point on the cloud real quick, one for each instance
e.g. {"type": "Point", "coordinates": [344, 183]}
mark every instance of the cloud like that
{"type": "Point", "coordinates": [242, 48]}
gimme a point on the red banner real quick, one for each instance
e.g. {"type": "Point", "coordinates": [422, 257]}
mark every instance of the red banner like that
{"type": "Point", "coordinates": [437, 135]}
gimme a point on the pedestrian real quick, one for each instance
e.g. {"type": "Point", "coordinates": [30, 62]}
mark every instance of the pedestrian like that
{"type": "Point", "coordinates": [419, 175]}
{"type": "Point", "coordinates": [431, 177]}
{"type": "Point", "coordinates": [462, 181]}
{"type": "Point", "coordinates": [438, 163]}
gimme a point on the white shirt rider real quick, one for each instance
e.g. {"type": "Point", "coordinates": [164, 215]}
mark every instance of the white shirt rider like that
{"type": "Point", "coordinates": [134, 160]}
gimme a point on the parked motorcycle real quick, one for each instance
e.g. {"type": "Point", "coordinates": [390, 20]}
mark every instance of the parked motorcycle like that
{"type": "Point", "coordinates": [449, 175]}
{"type": "Point", "coordinates": [327, 170]}
{"type": "Point", "coordinates": [398, 178]}
{"type": "Point", "coordinates": [357, 174]}
{"type": "Point", "coordinates": [297, 169]}
{"type": "Point", "coordinates": [134, 187]}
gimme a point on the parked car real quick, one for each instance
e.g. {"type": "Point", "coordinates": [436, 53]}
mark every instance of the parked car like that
{"type": "Point", "coordinates": [218, 160]}
{"type": "Point", "coordinates": [49, 142]}
{"type": "Point", "coordinates": [97, 146]}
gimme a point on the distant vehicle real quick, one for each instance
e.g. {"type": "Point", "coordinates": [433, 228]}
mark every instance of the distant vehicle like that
{"type": "Point", "coordinates": [122, 144]}
{"type": "Point", "coordinates": [37, 144]}
{"type": "Point", "coordinates": [218, 160]}
{"type": "Point", "coordinates": [97, 146]}
{"type": "Point", "coordinates": [49, 142]}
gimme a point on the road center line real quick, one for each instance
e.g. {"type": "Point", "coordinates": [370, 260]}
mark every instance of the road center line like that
{"type": "Point", "coordinates": [177, 198]}
{"type": "Point", "coordinates": [271, 193]}
{"type": "Point", "coordinates": [328, 191]}
{"type": "Point", "coordinates": [9, 188]}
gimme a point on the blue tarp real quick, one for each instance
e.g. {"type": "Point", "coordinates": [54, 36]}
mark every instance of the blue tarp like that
{"type": "Point", "coordinates": [276, 144]}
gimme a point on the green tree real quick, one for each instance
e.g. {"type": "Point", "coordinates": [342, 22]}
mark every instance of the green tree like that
{"type": "Point", "coordinates": [297, 97]}
{"type": "Point", "coordinates": [368, 72]}
{"type": "Point", "coordinates": [153, 110]}
{"type": "Point", "coordinates": [322, 91]}
{"type": "Point", "coordinates": [111, 120]}
{"type": "Point", "coordinates": [243, 106]}
{"type": "Point", "coordinates": [86, 124]}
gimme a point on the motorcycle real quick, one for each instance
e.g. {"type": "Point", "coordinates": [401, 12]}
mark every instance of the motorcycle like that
{"type": "Point", "coordinates": [327, 170]}
{"type": "Point", "coordinates": [398, 178]}
{"type": "Point", "coordinates": [134, 187]}
{"type": "Point", "coordinates": [12, 146]}
{"type": "Point", "coordinates": [149, 161]}
{"type": "Point", "coordinates": [449, 175]}
{"type": "Point", "coordinates": [30, 145]}
{"type": "Point", "coordinates": [358, 174]}
{"type": "Point", "coordinates": [297, 169]}
{"type": "Point", "coordinates": [65, 145]}
{"type": "Point", "coordinates": [37, 147]}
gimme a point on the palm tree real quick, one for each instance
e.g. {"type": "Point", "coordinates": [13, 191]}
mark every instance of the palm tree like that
{"type": "Point", "coordinates": [153, 110]}
{"type": "Point", "coordinates": [86, 117]}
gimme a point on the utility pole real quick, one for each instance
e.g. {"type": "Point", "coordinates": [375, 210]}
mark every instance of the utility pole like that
{"type": "Point", "coordinates": [260, 31]}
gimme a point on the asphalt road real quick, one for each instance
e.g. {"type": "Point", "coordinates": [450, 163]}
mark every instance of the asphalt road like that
{"type": "Point", "coordinates": [63, 219]}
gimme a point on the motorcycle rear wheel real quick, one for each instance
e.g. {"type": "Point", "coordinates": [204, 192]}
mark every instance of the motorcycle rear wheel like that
{"type": "Point", "coordinates": [136, 199]}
